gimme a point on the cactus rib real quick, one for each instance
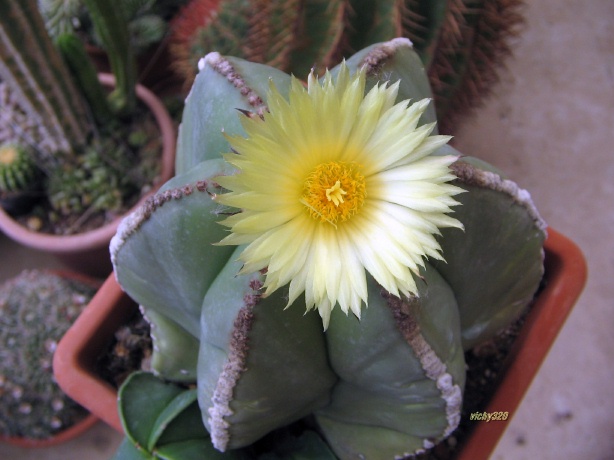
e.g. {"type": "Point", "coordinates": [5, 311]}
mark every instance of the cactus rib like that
{"type": "Point", "coordinates": [39, 78]}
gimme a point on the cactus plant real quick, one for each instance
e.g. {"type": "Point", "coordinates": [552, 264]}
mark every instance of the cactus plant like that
{"type": "Point", "coordinates": [79, 130]}
{"type": "Point", "coordinates": [39, 79]}
{"type": "Point", "coordinates": [386, 381]}
{"type": "Point", "coordinates": [18, 169]}
{"type": "Point", "coordinates": [147, 20]}
{"type": "Point", "coordinates": [36, 308]}
{"type": "Point", "coordinates": [462, 43]}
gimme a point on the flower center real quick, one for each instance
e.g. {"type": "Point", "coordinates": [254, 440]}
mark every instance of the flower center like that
{"type": "Point", "coordinates": [334, 192]}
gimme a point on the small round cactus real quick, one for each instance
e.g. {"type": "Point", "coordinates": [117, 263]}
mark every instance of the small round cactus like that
{"type": "Point", "coordinates": [18, 170]}
{"type": "Point", "coordinates": [36, 309]}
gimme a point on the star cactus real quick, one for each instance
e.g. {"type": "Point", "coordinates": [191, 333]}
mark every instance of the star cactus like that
{"type": "Point", "coordinates": [343, 190]}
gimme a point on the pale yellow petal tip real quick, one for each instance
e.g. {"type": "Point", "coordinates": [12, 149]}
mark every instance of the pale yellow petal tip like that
{"type": "Point", "coordinates": [325, 312]}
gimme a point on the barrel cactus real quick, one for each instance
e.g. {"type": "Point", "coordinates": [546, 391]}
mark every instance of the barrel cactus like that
{"type": "Point", "coordinates": [18, 169]}
{"type": "Point", "coordinates": [36, 308]}
{"type": "Point", "coordinates": [462, 43]}
{"type": "Point", "coordinates": [344, 192]}
{"type": "Point", "coordinates": [20, 178]}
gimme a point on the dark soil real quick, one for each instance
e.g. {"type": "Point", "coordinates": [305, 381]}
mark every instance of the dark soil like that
{"type": "Point", "coordinates": [129, 351]}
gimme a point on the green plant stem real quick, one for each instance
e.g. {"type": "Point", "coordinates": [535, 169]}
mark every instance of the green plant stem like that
{"type": "Point", "coordinates": [112, 28]}
{"type": "Point", "coordinates": [83, 69]}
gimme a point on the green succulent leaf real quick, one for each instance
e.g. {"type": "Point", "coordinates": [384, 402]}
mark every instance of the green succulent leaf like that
{"type": "Point", "coordinates": [162, 421]}
{"type": "Point", "coordinates": [142, 399]}
{"type": "Point", "coordinates": [401, 370]}
{"type": "Point", "coordinates": [128, 451]}
{"type": "Point", "coordinates": [168, 414]}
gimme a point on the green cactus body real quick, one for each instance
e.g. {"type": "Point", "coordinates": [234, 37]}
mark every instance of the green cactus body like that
{"type": "Point", "coordinates": [245, 388]}
{"type": "Point", "coordinates": [60, 15]}
{"type": "Point", "coordinates": [224, 86]}
{"type": "Point", "coordinates": [176, 351]}
{"type": "Point", "coordinates": [74, 53]}
{"type": "Point", "coordinates": [259, 30]}
{"type": "Point", "coordinates": [39, 78]}
{"type": "Point", "coordinates": [401, 371]}
{"type": "Point", "coordinates": [488, 305]}
{"type": "Point", "coordinates": [395, 61]}
{"type": "Point", "coordinates": [188, 277]}
{"type": "Point", "coordinates": [111, 26]}
{"type": "Point", "coordinates": [96, 180]}
{"type": "Point", "coordinates": [388, 385]}
{"type": "Point", "coordinates": [319, 36]}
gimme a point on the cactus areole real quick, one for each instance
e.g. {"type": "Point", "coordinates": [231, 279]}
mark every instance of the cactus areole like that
{"type": "Point", "coordinates": [340, 189]}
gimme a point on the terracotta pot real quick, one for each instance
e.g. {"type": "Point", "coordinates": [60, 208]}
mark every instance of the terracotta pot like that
{"type": "Point", "coordinates": [88, 252]}
{"type": "Point", "coordinates": [565, 277]}
{"type": "Point", "coordinates": [78, 428]}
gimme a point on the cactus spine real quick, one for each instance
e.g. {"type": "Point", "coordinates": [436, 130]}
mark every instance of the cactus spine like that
{"type": "Point", "coordinates": [39, 78]}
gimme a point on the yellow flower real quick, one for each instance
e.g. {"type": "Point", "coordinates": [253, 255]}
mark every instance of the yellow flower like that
{"type": "Point", "coordinates": [334, 182]}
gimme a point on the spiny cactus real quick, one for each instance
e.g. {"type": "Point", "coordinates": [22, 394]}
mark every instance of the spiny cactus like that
{"type": "Point", "coordinates": [147, 20]}
{"type": "Point", "coordinates": [112, 27]}
{"type": "Point", "coordinates": [15, 125]}
{"type": "Point", "coordinates": [18, 169]}
{"type": "Point", "coordinates": [462, 43]}
{"type": "Point", "coordinates": [387, 381]}
{"type": "Point", "coordinates": [39, 79]}
{"type": "Point", "coordinates": [60, 16]}
{"type": "Point", "coordinates": [83, 137]}
{"type": "Point", "coordinates": [76, 58]}
{"type": "Point", "coordinates": [36, 309]}
{"type": "Point", "coordinates": [275, 33]}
